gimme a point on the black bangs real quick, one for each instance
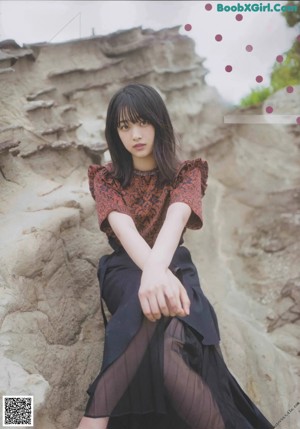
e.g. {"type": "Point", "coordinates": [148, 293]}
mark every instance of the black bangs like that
{"type": "Point", "coordinates": [127, 113]}
{"type": "Point", "coordinates": [133, 108]}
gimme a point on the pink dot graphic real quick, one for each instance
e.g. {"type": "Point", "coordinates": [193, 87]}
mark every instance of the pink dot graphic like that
{"type": "Point", "coordinates": [298, 38]}
{"type": "Point", "coordinates": [259, 78]}
{"type": "Point", "coordinates": [218, 37]}
{"type": "Point", "coordinates": [228, 68]}
{"type": "Point", "coordinates": [289, 89]}
{"type": "Point", "coordinates": [269, 109]}
{"type": "Point", "coordinates": [187, 27]}
{"type": "Point", "coordinates": [249, 48]}
{"type": "Point", "coordinates": [279, 58]}
{"type": "Point", "coordinates": [208, 6]}
{"type": "Point", "coordinates": [239, 17]}
{"type": "Point", "coordinates": [298, 120]}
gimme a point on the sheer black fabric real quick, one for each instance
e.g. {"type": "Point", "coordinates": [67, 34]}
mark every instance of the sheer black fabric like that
{"type": "Point", "coordinates": [169, 374]}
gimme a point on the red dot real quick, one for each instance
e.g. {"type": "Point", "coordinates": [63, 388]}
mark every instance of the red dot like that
{"type": "Point", "coordinates": [279, 58]}
{"type": "Point", "coordinates": [208, 6]}
{"type": "Point", "coordinates": [298, 120]}
{"type": "Point", "coordinates": [218, 37]}
{"type": "Point", "coordinates": [269, 109]}
{"type": "Point", "coordinates": [289, 89]}
{"type": "Point", "coordinates": [298, 38]}
{"type": "Point", "coordinates": [249, 48]}
{"type": "Point", "coordinates": [259, 78]}
{"type": "Point", "coordinates": [239, 17]}
{"type": "Point", "coordinates": [228, 68]}
{"type": "Point", "coordinates": [187, 27]}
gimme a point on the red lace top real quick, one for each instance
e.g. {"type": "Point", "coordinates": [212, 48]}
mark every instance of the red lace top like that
{"type": "Point", "coordinates": [144, 201]}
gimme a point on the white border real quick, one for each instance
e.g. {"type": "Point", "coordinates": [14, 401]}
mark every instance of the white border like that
{"type": "Point", "coordinates": [270, 118]}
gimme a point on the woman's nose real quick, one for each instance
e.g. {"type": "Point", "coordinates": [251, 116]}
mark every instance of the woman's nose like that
{"type": "Point", "coordinates": [136, 133]}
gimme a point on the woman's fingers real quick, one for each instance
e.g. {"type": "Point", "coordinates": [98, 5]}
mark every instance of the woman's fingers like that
{"type": "Point", "coordinates": [181, 302]}
{"type": "Point", "coordinates": [174, 303]}
{"type": "Point", "coordinates": [146, 309]}
{"type": "Point", "coordinates": [167, 297]}
{"type": "Point", "coordinates": [161, 300]}
{"type": "Point", "coordinates": [154, 308]}
{"type": "Point", "coordinates": [154, 304]}
{"type": "Point", "coordinates": [174, 299]}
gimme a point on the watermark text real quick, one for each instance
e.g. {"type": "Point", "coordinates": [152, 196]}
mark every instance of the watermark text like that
{"type": "Point", "coordinates": [256, 7]}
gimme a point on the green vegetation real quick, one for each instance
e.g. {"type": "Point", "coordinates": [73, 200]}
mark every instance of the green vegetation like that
{"type": "Point", "coordinates": [256, 97]}
{"type": "Point", "coordinates": [292, 18]}
{"type": "Point", "coordinates": [287, 72]}
{"type": "Point", "coordinates": [283, 74]}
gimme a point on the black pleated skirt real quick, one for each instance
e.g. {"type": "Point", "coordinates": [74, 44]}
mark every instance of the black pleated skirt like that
{"type": "Point", "coordinates": [168, 374]}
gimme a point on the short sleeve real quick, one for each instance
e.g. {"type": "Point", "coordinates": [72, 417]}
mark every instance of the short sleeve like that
{"type": "Point", "coordinates": [107, 192]}
{"type": "Point", "coordinates": [189, 187]}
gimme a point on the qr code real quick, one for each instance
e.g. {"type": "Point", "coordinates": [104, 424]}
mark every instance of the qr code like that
{"type": "Point", "coordinates": [17, 411]}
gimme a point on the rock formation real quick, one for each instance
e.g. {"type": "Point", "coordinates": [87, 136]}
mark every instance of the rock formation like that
{"type": "Point", "coordinates": [52, 111]}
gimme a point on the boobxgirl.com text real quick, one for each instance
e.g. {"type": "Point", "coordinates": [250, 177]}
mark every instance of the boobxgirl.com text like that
{"type": "Point", "coordinates": [255, 7]}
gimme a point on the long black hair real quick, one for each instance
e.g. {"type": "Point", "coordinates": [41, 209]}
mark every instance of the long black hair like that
{"type": "Point", "coordinates": [134, 102]}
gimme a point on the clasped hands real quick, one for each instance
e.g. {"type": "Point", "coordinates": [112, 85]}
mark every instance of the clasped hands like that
{"type": "Point", "coordinates": [162, 293]}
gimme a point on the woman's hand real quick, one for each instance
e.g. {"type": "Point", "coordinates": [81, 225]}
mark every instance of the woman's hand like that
{"type": "Point", "coordinates": [161, 293]}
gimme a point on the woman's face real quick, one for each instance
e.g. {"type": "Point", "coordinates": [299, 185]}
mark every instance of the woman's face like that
{"type": "Point", "coordinates": [138, 139]}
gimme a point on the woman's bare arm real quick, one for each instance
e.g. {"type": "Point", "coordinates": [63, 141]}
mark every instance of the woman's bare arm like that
{"type": "Point", "coordinates": [160, 291]}
{"type": "Point", "coordinates": [164, 293]}
{"type": "Point", "coordinates": [170, 233]}
{"type": "Point", "coordinates": [160, 257]}
{"type": "Point", "coordinates": [166, 242]}
{"type": "Point", "coordinates": [134, 244]}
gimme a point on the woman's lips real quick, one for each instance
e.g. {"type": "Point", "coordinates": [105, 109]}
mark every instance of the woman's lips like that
{"type": "Point", "coordinates": [139, 146]}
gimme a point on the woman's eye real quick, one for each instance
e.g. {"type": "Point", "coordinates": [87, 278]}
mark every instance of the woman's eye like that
{"type": "Point", "coordinates": [144, 122]}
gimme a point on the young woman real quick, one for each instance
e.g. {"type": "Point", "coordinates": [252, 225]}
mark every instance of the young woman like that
{"type": "Point", "coordinates": [162, 365]}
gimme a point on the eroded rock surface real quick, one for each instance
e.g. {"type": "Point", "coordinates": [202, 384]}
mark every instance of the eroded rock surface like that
{"type": "Point", "coordinates": [53, 104]}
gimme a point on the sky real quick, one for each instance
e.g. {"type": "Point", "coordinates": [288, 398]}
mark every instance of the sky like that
{"type": "Point", "coordinates": [266, 32]}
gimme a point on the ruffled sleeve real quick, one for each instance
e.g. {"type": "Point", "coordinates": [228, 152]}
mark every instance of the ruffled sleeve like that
{"type": "Point", "coordinates": [107, 192]}
{"type": "Point", "coordinates": [189, 187]}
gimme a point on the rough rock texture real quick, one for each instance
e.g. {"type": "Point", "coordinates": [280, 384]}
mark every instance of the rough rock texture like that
{"type": "Point", "coordinates": [53, 104]}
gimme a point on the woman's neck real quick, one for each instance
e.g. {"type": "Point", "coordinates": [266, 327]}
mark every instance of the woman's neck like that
{"type": "Point", "coordinates": [144, 164]}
